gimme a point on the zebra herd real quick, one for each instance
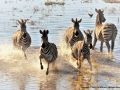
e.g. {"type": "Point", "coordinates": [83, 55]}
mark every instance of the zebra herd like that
{"type": "Point", "coordinates": [80, 45]}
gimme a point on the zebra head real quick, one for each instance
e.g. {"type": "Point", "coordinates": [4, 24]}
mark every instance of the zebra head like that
{"type": "Point", "coordinates": [88, 37]}
{"type": "Point", "coordinates": [23, 25]}
{"type": "Point", "coordinates": [44, 37]}
{"type": "Point", "coordinates": [100, 16]}
{"type": "Point", "coordinates": [76, 23]}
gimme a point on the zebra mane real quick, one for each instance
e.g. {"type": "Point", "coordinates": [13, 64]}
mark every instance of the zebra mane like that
{"type": "Point", "coordinates": [98, 19]}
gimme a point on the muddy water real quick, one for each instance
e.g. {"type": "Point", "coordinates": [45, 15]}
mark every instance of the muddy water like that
{"type": "Point", "coordinates": [16, 73]}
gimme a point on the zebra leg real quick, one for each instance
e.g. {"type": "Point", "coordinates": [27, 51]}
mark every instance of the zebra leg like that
{"type": "Point", "coordinates": [108, 46]}
{"type": "Point", "coordinates": [25, 55]}
{"type": "Point", "coordinates": [24, 52]}
{"type": "Point", "coordinates": [67, 42]}
{"type": "Point", "coordinates": [79, 59]}
{"type": "Point", "coordinates": [101, 47]}
{"type": "Point", "coordinates": [90, 64]}
{"type": "Point", "coordinates": [47, 69]}
{"type": "Point", "coordinates": [94, 42]}
{"type": "Point", "coordinates": [112, 45]}
{"type": "Point", "coordinates": [40, 57]}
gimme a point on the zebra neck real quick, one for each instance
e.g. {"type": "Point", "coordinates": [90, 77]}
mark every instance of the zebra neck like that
{"type": "Point", "coordinates": [46, 49]}
{"type": "Point", "coordinates": [76, 28]}
{"type": "Point", "coordinates": [85, 45]}
{"type": "Point", "coordinates": [98, 24]}
{"type": "Point", "coordinates": [23, 30]}
{"type": "Point", "coordinates": [46, 45]}
{"type": "Point", "coordinates": [98, 21]}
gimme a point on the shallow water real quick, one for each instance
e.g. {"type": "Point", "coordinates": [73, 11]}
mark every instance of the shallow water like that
{"type": "Point", "coordinates": [16, 73]}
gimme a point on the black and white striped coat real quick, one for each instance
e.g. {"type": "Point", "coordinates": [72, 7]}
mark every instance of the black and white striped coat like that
{"type": "Point", "coordinates": [81, 49]}
{"type": "Point", "coordinates": [48, 51]}
{"type": "Point", "coordinates": [21, 39]}
{"type": "Point", "coordinates": [104, 32]}
{"type": "Point", "coordinates": [69, 33]}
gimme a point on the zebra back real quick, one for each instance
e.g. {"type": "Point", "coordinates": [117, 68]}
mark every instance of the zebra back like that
{"type": "Point", "coordinates": [109, 32]}
{"type": "Point", "coordinates": [77, 48]}
{"type": "Point", "coordinates": [68, 34]}
{"type": "Point", "coordinates": [81, 47]}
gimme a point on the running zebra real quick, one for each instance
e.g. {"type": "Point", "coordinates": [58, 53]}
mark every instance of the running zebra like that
{"type": "Point", "coordinates": [48, 51]}
{"type": "Point", "coordinates": [81, 49]}
{"type": "Point", "coordinates": [104, 32]}
{"type": "Point", "coordinates": [21, 39]}
{"type": "Point", "coordinates": [69, 32]}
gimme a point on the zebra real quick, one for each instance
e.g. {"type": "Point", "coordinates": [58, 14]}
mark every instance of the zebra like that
{"type": "Point", "coordinates": [48, 51]}
{"type": "Point", "coordinates": [81, 49]}
{"type": "Point", "coordinates": [21, 38]}
{"type": "Point", "coordinates": [104, 32]}
{"type": "Point", "coordinates": [70, 30]}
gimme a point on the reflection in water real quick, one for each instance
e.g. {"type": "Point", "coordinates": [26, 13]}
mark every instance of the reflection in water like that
{"type": "Point", "coordinates": [84, 78]}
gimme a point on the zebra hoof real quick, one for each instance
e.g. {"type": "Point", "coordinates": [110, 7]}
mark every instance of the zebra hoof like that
{"type": "Point", "coordinates": [46, 72]}
{"type": "Point", "coordinates": [41, 66]}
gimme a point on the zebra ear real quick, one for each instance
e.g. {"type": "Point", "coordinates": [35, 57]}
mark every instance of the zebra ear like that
{"type": "Point", "coordinates": [25, 20]}
{"type": "Point", "coordinates": [41, 32]}
{"type": "Point", "coordinates": [96, 10]}
{"type": "Point", "coordinates": [72, 20]}
{"type": "Point", "coordinates": [47, 31]}
{"type": "Point", "coordinates": [85, 32]}
{"type": "Point", "coordinates": [19, 22]}
{"type": "Point", "coordinates": [102, 11]}
{"type": "Point", "coordinates": [22, 21]}
{"type": "Point", "coordinates": [80, 20]}
{"type": "Point", "coordinates": [91, 32]}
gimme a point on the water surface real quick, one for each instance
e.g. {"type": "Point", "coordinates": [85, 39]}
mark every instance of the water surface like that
{"type": "Point", "coordinates": [19, 74]}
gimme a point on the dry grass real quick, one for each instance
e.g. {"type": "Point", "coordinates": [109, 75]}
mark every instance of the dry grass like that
{"type": "Point", "coordinates": [112, 10]}
{"type": "Point", "coordinates": [52, 3]}
{"type": "Point", "coordinates": [112, 1]}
